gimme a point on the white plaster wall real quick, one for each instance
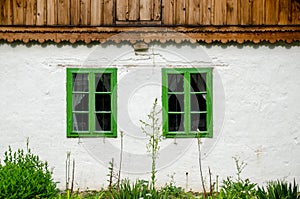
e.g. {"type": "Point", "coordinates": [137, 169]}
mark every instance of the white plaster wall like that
{"type": "Point", "coordinates": [256, 110]}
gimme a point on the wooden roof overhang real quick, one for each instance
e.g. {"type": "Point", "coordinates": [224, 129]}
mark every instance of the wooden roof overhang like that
{"type": "Point", "coordinates": [206, 34]}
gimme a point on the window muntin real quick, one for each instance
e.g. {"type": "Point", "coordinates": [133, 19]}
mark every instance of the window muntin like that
{"type": "Point", "coordinates": [187, 102]}
{"type": "Point", "coordinates": [91, 102]}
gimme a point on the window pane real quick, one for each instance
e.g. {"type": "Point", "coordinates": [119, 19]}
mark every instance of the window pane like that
{"type": "Point", "coordinates": [102, 122]}
{"type": "Point", "coordinates": [102, 82]}
{"type": "Point", "coordinates": [175, 82]}
{"type": "Point", "coordinates": [80, 122]}
{"type": "Point", "coordinates": [198, 121]}
{"type": "Point", "coordinates": [80, 102]}
{"type": "Point", "coordinates": [198, 82]}
{"type": "Point", "coordinates": [80, 82]}
{"type": "Point", "coordinates": [198, 102]}
{"type": "Point", "coordinates": [102, 102]}
{"type": "Point", "coordinates": [176, 122]}
{"type": "Point", "coordinates": [176, 102]}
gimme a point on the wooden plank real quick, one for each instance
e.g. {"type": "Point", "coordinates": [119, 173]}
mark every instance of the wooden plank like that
{"type": "Point", "coordinates": [85, 12]}
{"type": "Point", "coordinates": [6, 12]}
{"type": "Point", "coordinates": [75, 12]}
{"type": "Point", "coordinates": [232, 12]}
{"type": "Point", "coordinates": [108, 14]}
{"type": "Point", "coordinates": [156, 10]}
{"type": "Point", "coordinates": [18, 12]}
{"type": "Point", "coordinates": [283, 17]}
{"type": "Point", "coordinates": [63, 12]}
{"type": "Point", "coordinates": [30, 12]}
{"type": "Point", "coordinates": [51, 12]}
{"type": "Point", "coordinates": [41, 10]}
{"type": "Point", "coordinates": [295, 15]}
{"type": "Point", "coordinates": [96, 10]}
{"type": "Point", "coordinates": [180, 12]}
{"type": "Point", "coordinates": [219, 12]}
{"type": "Point", "coordinates": [272, 11]}
{"type": "Point", "coordinates": [206, 12]}
{"type": "Point", "coordinates": [245, 12]}
{"type": "Point", "coordinates": [122, 10]}
{"type": "Point", "coordinates": [168, 12]}
{"type": "Point", "coordinates": [133, 10]}
{"type": "Point", "coordinates": [258, 12]}
{"type": "Point", "coordinates": [145, 10]}
{"type": "Point", "coordinates": [193, 12]}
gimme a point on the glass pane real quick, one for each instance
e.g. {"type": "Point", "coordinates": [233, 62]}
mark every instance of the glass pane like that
{"type": "Point", "coordinates": [176, 103]}
{"type": "Point", "coordinates": [102, 82]}
{"type": "Point", "coordinates": [175, 82]}
{"type": "Point", "coordinates": [80, 102]}
{"type": "Point", "coordinates": [102, 122]}
{"type": "Point", "coordinates": [80, 82]}
{"type": "Point", "coordinates": [198, 121]}
{"type": "Point", "coordinates": [198, 82]}
{"type": "Point", "coordinates": [102, 102]}
{"type": "Point", "coordinates": [80, 122]}
{"type": "Point", "coordinates": [198, 102]}
{"type": "Point", "coordinates": [176, 122]}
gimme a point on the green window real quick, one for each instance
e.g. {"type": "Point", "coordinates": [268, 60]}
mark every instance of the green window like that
{"type": "Point", "coordinates": [187, 102]}
{"type": "Point", "coordinates": [91, 102]}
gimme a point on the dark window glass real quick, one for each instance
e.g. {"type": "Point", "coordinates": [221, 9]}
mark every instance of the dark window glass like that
{"type": "Point", "coordinates": [175, 82]}
{"type": "Point", "coordinates": [198, 82]}
{"type": "Point", "coordinates": [102, 102]}
{"type": "Point", "coordinates": [102, 122]}
{"type": "Point", "coordinates": [198, 121]}
{"type": "Point", "coordinates": [102, 82]}
{"type": "Point", "coordinates": [80, 102]}
{"type": "Point", "coordinates": [198, 102]}
{"type": "Point", "coordinates": [176, 122]}
{"type": "Point", "coordinates": [176, 103]}
{"type": "Point", "coordinates": [80, 122]}
{"type": "Point", "coordinates": [80, 82]}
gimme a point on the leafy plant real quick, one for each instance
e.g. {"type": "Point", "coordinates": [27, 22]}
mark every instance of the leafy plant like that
{"type": "Point", "coordinates": [24, 175]}
{"type": "Point", "coordinates": [238, 188]}
{"type": "Point", "coordinates": [278, 189]}
{"type": "Point", "coordinates": [152, 131]}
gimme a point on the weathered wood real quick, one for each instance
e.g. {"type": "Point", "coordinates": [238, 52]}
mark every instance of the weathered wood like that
{"type": "Point", "coordinates": [258, 12]}
{"type": "Point", "coordinates": [272, 11]}
{"type": "Point", "coordinates": [18, 12]}
{"type": "Point", "coordinates": [30, 12]}
{"type": "Point", "coordinates": [75, 12]}
{"type": "Point", "coordinates": [232, 12]}
{"type": "Point", "coordinates": [295, 12]}
{"type": "Point", "coordinates": [156, 10]}
{"type": "Point", "coordinates": [168, 12]}
{"type": "Point", "coordinates": [145, 10]}
{"type": "Point", "coordinates": [122, 9]}
{"type": "Point", "coordinates": [108, 14]}
{"type": "Point", "coordinates": [284, 7]}
{"type": "Point", "coordinates": [133, 10]}
{"type": "Point", "coordinates": [245, 12]}
{"type": "Point", "coordinates": [206, 12]}
{"type": "Point", "coordinates": [180, 11]}
{"type": "Point", "coordinates": [6, 14]}
{"type": "Point", "coordinates": [51, 12]}
{"type": "Point", "coordinates": [219, 12]}
{"type": "Point", "coordinates": [63, 12]}
{"type": "Point", "coordinates": [85, 12]}
{"type": "Point", "coordinates": [193, 12]}
{"type": "Point", "coordinates": [41, 12]}
{"type": "Point", "coordinates": [96, 10]}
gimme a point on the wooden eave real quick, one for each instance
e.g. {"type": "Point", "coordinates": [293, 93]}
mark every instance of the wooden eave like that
{"type": "Point", "coordinates": [206, 34]}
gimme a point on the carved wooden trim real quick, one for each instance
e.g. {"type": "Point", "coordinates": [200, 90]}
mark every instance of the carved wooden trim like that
{"type": "Point", "coordinates": [207, 34]}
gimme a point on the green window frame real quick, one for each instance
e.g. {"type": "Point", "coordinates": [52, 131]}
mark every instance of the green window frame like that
{"type": "Point", "coordinates": [187, 97]}
{"type": "Point", "coordinates": [91, 102]}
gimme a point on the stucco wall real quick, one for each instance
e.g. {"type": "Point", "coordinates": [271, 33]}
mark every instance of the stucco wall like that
{"type": "Point", "coordinates": [256, 110]}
